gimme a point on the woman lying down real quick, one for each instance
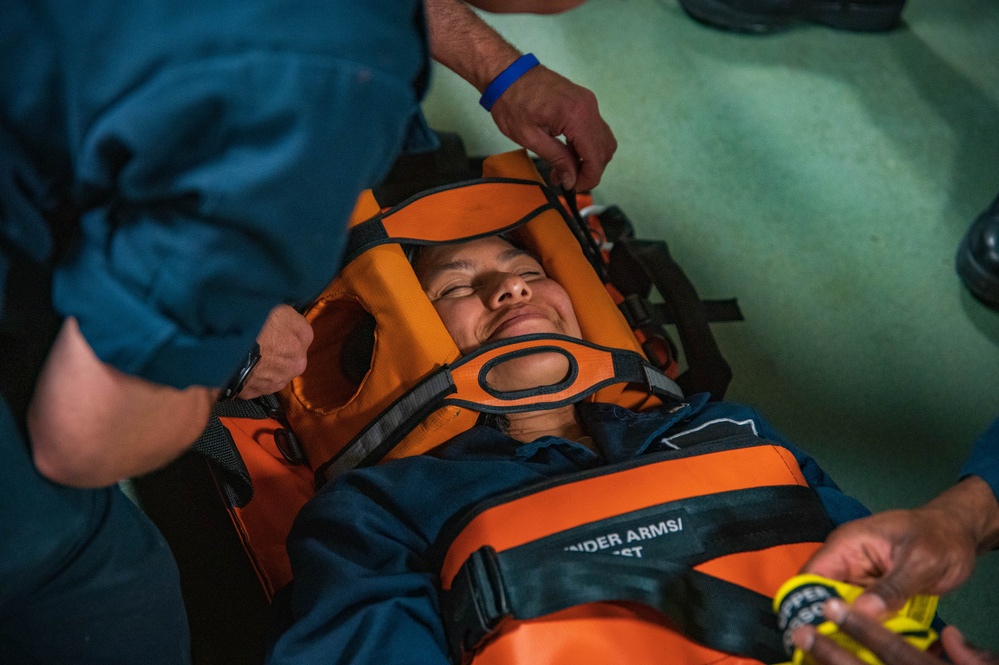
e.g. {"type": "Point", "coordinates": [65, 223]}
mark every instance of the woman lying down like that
{"type": "Point", "coordinates": [692, 499]}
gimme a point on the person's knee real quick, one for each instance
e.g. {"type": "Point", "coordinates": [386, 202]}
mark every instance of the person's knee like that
{"type": "Point", "coordinates": [526, 6]}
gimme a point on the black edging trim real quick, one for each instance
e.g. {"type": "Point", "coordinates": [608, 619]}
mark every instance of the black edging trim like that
{"type": "Point", "coordinates": [532, 392]}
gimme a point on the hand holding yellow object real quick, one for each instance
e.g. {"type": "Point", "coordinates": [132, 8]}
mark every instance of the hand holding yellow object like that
{"type": "Point", "coordinates": [800, 602]}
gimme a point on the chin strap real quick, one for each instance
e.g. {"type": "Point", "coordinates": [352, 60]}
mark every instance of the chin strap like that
{"type": "Point", "coordinates": [465, 383]}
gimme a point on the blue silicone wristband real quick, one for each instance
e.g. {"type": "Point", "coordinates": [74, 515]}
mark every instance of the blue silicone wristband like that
{"type": "Point", "coordinates": [505, 79]}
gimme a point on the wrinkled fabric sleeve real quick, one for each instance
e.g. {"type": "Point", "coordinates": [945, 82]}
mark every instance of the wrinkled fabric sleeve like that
{"type": "Point", "coordinates": [363, 593]}
{"type": "Point", "coordinates": [984, 459]}
{"type": "Point", "coordinates": [215, 190]}
{"type": "Point", "coordinates": [840, 507]}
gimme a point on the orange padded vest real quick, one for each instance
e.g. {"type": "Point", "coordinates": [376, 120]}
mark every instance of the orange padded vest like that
{"type": "Point", "coordinates": [672, 558]}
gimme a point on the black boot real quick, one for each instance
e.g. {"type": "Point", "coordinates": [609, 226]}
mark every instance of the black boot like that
{"type": "Point", "coordinates": [770, 15]}
{"type": "Point", "coordinates": [978, 257]}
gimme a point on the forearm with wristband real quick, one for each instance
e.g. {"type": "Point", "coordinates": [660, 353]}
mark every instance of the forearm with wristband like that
{"type": "Point", "coordinates": [506, 78]}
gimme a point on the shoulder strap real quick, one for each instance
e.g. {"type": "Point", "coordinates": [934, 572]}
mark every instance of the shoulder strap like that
{"type": "Point", "coordinates": [636, 265]}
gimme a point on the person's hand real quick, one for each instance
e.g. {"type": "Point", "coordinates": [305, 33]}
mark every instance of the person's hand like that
{"type": "Point", "coordinates": [284, 342]}
{"type": "Point", "coordinates": [889, 647]}
{"type": "Point", "coordinates": [538, 107]}
{"type": "Point", "coordinates": [543, 105]}
{"type": "Point", "coordinates": [896, 555]}
{"type": "Point", "coordinates": [900, 553]}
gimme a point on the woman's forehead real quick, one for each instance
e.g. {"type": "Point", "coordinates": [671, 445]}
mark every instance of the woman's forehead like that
{"type": "Point", "coordinates": [466, 256]}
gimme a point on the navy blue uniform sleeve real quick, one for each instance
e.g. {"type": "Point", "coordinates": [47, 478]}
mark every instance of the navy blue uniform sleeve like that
{"type": "Point", "coordinates": [984, 459]}
{"type": "Point", "coordinates": [839, 506]}
{"type": "Point", "coordinates": [363, 593]}
{"type": "Point", "coordinates": [217, 189]}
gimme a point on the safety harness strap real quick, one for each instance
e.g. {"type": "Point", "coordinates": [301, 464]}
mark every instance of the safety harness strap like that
{"type": "Point", "coordinates": [512, 203]}
{"type": "Point", "coordinates": [561, 571]}
{"type": "Point", "coordinates": [218, 446]}
{"type": "Point", "coordinates": [635, 266]}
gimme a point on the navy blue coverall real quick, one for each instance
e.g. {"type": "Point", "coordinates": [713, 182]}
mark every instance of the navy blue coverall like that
{"type": "Point", "coordinates": [169, 172]}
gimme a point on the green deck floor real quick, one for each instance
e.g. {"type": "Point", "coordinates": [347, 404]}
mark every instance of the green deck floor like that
{"type": "Point", "coordinates": [825, 179]}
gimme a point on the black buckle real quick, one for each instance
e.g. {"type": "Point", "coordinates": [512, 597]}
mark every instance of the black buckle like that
{"type": "Point", "coordinates": [287, 443]}
{"type": "Point", "coordinates": [476, 604]}
{"type": "Point", "coordinates": [239, 378]}
{"type": "Point", "coordinates": [637, 311]}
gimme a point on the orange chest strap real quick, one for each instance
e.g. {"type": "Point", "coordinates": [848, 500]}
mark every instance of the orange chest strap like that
{"type": "Point", "coordinates": [700, 538]}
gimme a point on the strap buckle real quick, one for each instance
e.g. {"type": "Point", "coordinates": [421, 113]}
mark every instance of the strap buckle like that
{"type": "Point", "coordinates": [477, 604]}
{"type": "Point", "coordinates": [238, 380]}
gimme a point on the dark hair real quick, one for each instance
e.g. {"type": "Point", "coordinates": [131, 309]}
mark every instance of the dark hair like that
{"type": "Point", "coordinates": [498, 421]}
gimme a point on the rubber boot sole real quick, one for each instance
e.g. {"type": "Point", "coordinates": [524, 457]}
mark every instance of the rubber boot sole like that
{"type": "Point", "coordinates": [983, 284]}
{"type": "Point", "coordinates": [852, 16]}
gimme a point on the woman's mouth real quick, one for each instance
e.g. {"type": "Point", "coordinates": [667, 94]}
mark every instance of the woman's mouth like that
{"type": "Point", "coordinates": [522, 322]}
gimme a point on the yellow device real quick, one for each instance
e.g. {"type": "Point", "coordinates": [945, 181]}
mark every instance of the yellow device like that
{"type": "Point", "coordinates": [800, 602]}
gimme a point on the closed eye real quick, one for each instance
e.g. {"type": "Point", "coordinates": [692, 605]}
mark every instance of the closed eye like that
{"type": "Point", "coordinates": [455, 290]}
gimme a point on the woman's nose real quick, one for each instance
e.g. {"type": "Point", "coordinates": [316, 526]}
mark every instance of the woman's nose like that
{"type": "Point", "coordinates": [509, 288]}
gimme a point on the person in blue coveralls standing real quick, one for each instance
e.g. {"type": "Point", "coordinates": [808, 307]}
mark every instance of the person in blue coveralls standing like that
{"type": "Point", "coordinates": [169, 173]}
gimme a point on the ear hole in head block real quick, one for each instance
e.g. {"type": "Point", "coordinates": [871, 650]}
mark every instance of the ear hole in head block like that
{"type": "Point", "coordinates": [341, 353]}
{"type": "Point", "coordinates": [327, 406]}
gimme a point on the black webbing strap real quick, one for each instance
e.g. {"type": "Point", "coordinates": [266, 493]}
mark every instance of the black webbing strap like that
{"type": "Point", "coordinates": [634, 264]}
{"type": "Point", "coordinates": [640, 312]}
{"type": "Point", "coordinates": [388, 429]}
{"type": "Point", "coordinates": [580, 229]}
{"type": "Point", "coordinates": [564, 570]}
{"type": "Point", "coordinates": [217, 445]}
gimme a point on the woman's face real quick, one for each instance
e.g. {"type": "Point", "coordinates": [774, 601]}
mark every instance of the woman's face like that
{"type": "Point", "coordinates": [486, 290]}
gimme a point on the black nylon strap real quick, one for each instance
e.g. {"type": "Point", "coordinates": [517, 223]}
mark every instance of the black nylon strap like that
{"type": "Point", "coordinates": [635, 265]}
{"type": "Point", "coordinates": [545, 576]}
{"type": "Point", "coordinates": [216, 444]}
{"type": "Point", "coordinates": [718, 524]}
